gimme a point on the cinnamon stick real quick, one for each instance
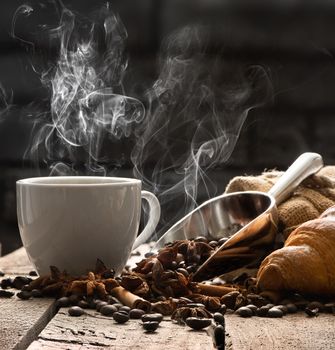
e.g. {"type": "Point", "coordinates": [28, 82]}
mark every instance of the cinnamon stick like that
{"type": "Point", "coordinates": [213, 290]}
{"type": "Point", "coordinates": [129, 299]}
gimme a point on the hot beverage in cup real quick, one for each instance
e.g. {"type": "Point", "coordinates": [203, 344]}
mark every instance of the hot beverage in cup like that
{"type": "Point", "coordinates": [70, 222]}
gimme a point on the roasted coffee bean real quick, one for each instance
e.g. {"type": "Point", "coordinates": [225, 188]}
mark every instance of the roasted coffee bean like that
{"type": "Point", "coordinates": [222, 240]}
{"type": "Point", "coordinates": [100, 304]}
{"type": "Point", "coordinates": [270, 306]}
{"type": "Point", "coordinates": [213, 244]}
{"type": "Point", "coordinates": [262, 311]}
{"type": "Point", "coordinates": [230, 299]}
{"type": "Point", "coordinates": [219, 337]}
{"type": "Point", "coordinates": [316, 305]}
{"type": "Point", "coordinates": [120, 317]}
{"type": "Point", "coordinates": [6, 283]}
{"type": "Point", "coordinates": [112, 300]}
{"type": "Point", "coordinates": [75, 311]}
{"type": "Point", "coordinates": [253, 308]}
{"type": "Point", "coordinates": [222, 309]}
{"type": "Point", "coordinates": [108, 310]}
{"type": "Point", "coordinates": [33, 273]}
{"type": "Point", "coordinates": [36, 293]}
{"type": "Point", "coordinates": [312, 312]}
{"type": "Point", "coordinates": [63, 302]}
{"type": "Point", "coordinates": [26, 287]}
{"type": "Point", "coordinates": [274, 312]}
{"type": "Point", "coordinates": [24, 295]}
{"type": "Point", "coordinates": [152, 317]}
{"type": "Point", "coordinates": [6, 293]}
{"type": "Point", "coordinates": [2, 273]}
{"type": "Point", "coordinates": [291, 308]}
{"type": "Point", "coordinates": [198, 323]}
{"type": "Point", "coordinates": [148, 254]}
{"type": "Point", "coordinates": [118, 305]}
{"type": "Point", "coordinates": [83, 304]}
{"type": "Point", "coordinates": [92, 303]}
{"type": "Point", "coordinates": [201, 239]}
{"type": "Point", "coordinates": [283, 308]}
{"type": "Point", "coordinates": [136, 313]}
{"type": "Point", "coordinates": [182, 264]}
{"type": "Point", "coordinates": [125, 308]}
{"type": "Point", "coordinates": [20, 281]}
{"type": "Point", "coordinates": [173, 265]}
{"type": "Point", "coordinates": [244, 311]}
{"type": "Point", "coordinates": [150, 326]}
{"type": "Point", "coordinates": [219, 318]}
{"type": "Point", "coordinates": [191, 268]}
{"type": "Point", "coordinates": [183, 271]}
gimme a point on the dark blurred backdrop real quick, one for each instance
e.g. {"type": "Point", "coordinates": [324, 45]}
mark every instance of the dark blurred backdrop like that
{"type": "Point", "coordinates": [293, 40]}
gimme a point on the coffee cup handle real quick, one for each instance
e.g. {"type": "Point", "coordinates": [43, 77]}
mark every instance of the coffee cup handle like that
{"type": "Point", "coordinates": [154, 216]}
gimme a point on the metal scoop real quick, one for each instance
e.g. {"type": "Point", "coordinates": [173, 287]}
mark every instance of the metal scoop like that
{"type": "Point", "coordinates": [252, 214]}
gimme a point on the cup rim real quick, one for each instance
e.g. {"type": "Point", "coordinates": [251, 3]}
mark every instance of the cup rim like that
{"type": "Point", "coordinates": [45, 181]}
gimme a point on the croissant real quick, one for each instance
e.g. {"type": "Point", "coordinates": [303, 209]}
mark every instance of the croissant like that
{"type": "Point", "coordinates": [306, 263]}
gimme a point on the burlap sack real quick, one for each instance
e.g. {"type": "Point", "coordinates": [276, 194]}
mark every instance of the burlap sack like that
{"type": "Point", "coordinates": [311, 198]}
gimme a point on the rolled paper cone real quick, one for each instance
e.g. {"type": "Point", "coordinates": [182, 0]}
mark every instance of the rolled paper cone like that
{"type": "Point", "coordinates": [212, 290]}
{"type": "Point", "coordinates": [129, 299]}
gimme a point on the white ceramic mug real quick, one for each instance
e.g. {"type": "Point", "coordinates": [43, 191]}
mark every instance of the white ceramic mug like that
{"type": "Point", "coordinates": [70, 221]}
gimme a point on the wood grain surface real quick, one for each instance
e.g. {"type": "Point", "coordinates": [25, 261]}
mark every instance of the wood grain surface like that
{"type": "Point", "coordinates": [26, 322]}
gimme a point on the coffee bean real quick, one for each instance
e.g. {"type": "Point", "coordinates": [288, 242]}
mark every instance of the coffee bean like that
{"type": "Point", "coordinates": [20, 281]}
{"type": "Point", "coordinates": [173, 265]}
{"type": "Point", "coordinates": [195, 305]}
{"type": "Point", "coordinates": [182, 264]}
{"type": "Point", "coordinates": [33, 273]}
{"type": "Point", "coordinates": [150, 326]}
{"type": "Point", "coordinates": [36, 293]}
{"type": "Point", "coordinates": [63, 302]}
{"type": "Point", "coordinates": [118, 305]}
{"type": "Point", "coordinates": [75, 311]}
{"type": "Point", "coordinates": [316, 305]}
{"type": "Point", "coordinates": [191, 269]}
{"type": "Point", "coordinates": [83, 304]}
{"type": "Point", "coordinates": [213, 244]}
{"type": "Point", "coordinates": [120, 317]}
{"type": "Point", "coordinates": [291, 308]}
{"type": "Point", "coordinates": [312, 312]}
{"type": "Point", "coordinates": [152, 317]}
{"type": "Point", "coordinates": [6, 283]}
{"type": "Point", "coordinates": [219, 337]}
{"type": "Point", "coordinates": [125, 308]}
{"type": "Point", "coordinates": [112, 300]}
{"type": "Point", "coordinates": [183, 271]}
{"type": "Point", "coordinates": [136, 313]}
{"type": "Point", "coordinates": [201, 239]}
{"type": "Point", "coordinates": [253, 308]}
{"type": "Point", "coordinates": [108, 310]}
{"type": "Point", "coordinates": [329, 307]}
{"type": "Point", "coordinates": [219, 318]}
{"type": "Point", "coordinates": [6, 293]}
{"type": "Point", "coordinates": [222, 240]}
{"type": "Point", "coordinates": [100, 304]}
{"type": "Point", "coordinates": [283, 308]}
{"type": "Point", "coordinates": [24, 295]}
{"type": "Point", "coordinates": [2, 273]}
{"type": "Point", "coordinates": [262, 311]}
{"type": "Point", "coordinates": [274, 312]}
{"type": "Point", "coordinates": [244, 311]}
{"type": "Point", "coordinates": [198, 323]}
{"type": "Point", "coordinates": [26, 288]}
{"type": "Point", "coordinates": [222, 309]}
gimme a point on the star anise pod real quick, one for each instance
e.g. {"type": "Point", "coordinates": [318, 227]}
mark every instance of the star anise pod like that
{"type": "Point", "coordinates": [211, 303]}
{"type": "Point", "coordinates": [135, 284]}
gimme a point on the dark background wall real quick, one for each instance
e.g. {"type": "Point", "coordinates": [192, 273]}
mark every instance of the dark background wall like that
{"type": "Point", "coordinates": [293, 40]}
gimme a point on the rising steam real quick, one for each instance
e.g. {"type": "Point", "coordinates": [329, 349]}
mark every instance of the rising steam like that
{"type": "Point", "coordinates": [196, 109]}
{"type": "Point", "coordinates": [86, 103]}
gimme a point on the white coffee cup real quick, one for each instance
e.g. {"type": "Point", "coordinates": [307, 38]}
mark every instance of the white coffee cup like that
{"type": "Point", "coordinates": [70, 221]}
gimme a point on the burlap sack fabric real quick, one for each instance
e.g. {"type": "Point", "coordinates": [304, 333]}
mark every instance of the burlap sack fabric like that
{"type": "Point", "coordinates": [311, 198]}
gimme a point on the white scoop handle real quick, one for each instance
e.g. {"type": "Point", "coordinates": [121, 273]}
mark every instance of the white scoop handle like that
{"type": "Point", "coordinates": [305, 165]}
{"type": "Point", "coordinates": [154, 216]}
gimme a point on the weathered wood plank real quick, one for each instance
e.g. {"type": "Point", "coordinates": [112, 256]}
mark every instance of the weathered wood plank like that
{"type": "Point", "coordinates": [21, 320]}
{"type": "Point", "coordinates": [94, 331]}
{"type": "Point", "coordinates": [292, 332]}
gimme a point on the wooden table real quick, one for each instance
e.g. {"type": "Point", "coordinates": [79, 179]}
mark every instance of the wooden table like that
{"type": "Point", "coordinates": [36, 324]}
